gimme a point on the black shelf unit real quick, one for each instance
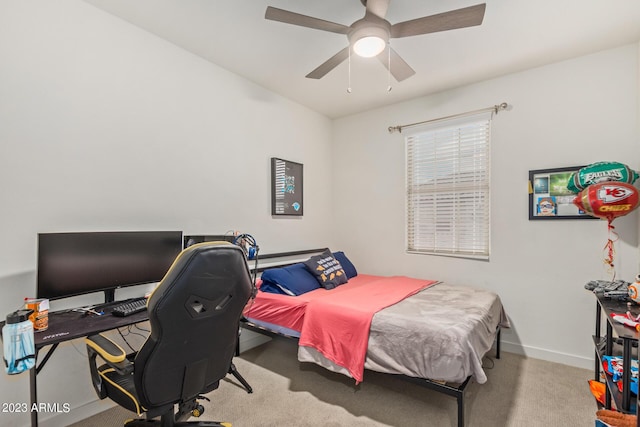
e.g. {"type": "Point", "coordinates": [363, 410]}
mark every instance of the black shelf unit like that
{"type": "Point", "coordinates": [618, 340]}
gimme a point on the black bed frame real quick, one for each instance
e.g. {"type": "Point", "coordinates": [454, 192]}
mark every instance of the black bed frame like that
{"type": "Point", "coordinates": [451, 389]}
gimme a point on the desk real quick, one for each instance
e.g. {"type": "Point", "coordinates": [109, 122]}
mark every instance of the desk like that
{"type": "Point", "coordinates": [618, 340]}
{"type": "Point", "coordinates": [66, 326]}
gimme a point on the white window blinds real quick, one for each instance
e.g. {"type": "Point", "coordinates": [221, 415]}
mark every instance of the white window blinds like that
{"type": "Point", "coordinates": [448, 176]}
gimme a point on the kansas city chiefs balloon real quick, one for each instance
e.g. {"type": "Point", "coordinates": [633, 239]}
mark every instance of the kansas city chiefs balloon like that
{"type": "Point", "coordinates": [607, 200]}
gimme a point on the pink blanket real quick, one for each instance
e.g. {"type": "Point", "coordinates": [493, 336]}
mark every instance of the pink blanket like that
{"type": "Point", "coordinates": [337, 324]}
{"type": "Point", "coordinates": [288, 311]}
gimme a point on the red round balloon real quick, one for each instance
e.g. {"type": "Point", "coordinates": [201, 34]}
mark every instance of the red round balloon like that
{"type": "Point", "coordinates": [607, 200]}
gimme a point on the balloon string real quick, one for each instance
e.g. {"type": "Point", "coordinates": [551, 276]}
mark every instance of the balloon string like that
{"type": "Point", "coordinates": [610, 250]}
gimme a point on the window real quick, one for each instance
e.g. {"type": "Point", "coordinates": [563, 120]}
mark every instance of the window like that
{"type": "Point", "coordinates": [448, 198]}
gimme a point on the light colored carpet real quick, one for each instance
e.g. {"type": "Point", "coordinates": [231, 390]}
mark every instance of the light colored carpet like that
{"type": "Point", "coordinates": [520, 392]}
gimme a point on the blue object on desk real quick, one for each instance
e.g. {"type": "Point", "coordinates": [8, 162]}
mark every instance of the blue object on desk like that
{"type": "Point", "coordinates": [18, 344]}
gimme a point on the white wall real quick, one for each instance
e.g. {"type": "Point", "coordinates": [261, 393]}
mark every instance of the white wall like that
{"type": "Point", "coordinates": [570, 113]}
{"type": "Point", "coordinates": [103, 126]}
{"type": "Point", "coordinates": [106, 127]}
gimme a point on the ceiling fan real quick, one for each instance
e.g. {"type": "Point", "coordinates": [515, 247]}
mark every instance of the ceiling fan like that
{"type": "Point", "coordinates": [370, 35]}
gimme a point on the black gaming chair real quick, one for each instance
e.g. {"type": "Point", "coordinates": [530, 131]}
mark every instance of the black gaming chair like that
{"type": "Point", "coordinates": [194, 315]}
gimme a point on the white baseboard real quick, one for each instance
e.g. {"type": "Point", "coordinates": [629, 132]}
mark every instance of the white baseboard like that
{"type": "Point", "coordinates": [250, 339]}
{"type": "Point", "coordinates": [550, 356]}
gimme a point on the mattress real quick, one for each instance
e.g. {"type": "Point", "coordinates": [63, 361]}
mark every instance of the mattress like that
{"type": "Point", "coordinates": [440, 333]}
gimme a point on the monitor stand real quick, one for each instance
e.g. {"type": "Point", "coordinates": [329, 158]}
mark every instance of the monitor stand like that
{"type": "Point", "coordinates": [109, 296]}
{"type": "Point", "coordinates": [109, 299]}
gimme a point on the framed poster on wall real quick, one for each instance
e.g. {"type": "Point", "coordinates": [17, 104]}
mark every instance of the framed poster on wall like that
{"type": "Point", "coordinates": [286, 187]}
{"type": "Point", "coordinates": [549, 197]}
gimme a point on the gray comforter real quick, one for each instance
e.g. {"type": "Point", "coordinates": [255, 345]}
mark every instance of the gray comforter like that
{"type": "Point", "coordinates": [441, 333]}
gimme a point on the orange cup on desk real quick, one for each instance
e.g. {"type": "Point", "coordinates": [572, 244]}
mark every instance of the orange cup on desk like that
{"type": "Point", "coordinates": [40, 315]}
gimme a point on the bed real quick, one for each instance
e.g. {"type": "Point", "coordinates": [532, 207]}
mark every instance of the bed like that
{"type": "Point", "coordinates": [427, 331]}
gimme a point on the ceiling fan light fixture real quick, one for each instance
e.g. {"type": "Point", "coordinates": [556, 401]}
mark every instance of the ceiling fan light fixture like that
{"type": "Point", "coordinates": [369, 46]}
{"type": "Point", "coordinates": [368, 40]}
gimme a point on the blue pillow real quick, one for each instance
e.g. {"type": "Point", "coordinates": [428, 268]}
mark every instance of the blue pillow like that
{"type": "Point", "coordinates": [347, 265]}
{"type": "Point", "coordinates": [272, 288]}
{"type": "Point", "coordinates": [292, 280]}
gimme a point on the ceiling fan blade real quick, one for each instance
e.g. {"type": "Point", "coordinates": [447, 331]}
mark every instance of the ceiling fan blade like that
{"type": "Point", "coordinates": [399, 68]}
{"type": "Point", "coordinates": [329, 64]}
{"type": "Point", "coordinates": [275, 14]}
{"type": "Point", "coordinates": [459, 18]}
{"type": "Point", "coordinates": [378, 7]}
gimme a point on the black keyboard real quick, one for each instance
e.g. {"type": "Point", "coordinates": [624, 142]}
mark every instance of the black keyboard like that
{"type": "Point", "coordinates": [127, 308]}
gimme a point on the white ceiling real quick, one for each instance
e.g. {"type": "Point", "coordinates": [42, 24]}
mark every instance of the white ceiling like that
{"type": "Point", "coordinates": [514, 36]}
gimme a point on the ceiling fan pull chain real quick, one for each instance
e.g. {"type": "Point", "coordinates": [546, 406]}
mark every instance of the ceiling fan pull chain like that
{"type": "Point", "coordinates": [389, 67]}
{"type": "Point", "coordinates": [349, 85]}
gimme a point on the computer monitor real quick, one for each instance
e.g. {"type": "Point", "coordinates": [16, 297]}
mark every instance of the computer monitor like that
{"type": "Point", "coordinates": [200, 238]}
{"type": "Point", "coordinates": [71, 264]}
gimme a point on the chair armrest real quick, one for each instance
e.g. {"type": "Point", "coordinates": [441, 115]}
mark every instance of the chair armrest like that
{"type": "Point", "coordinates": [107, 349]}
{"type": "Point", "coordinates": [110, 352]}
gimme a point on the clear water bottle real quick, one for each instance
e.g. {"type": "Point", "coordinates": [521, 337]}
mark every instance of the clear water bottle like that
{"type": "Point", "coordinates": [18, 345]}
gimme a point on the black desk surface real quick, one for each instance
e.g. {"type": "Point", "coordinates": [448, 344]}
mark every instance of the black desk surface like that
{"type": "Point", "coordinates": [614, 306]}
{"type": "Point", "coordinates": [68, 325]}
